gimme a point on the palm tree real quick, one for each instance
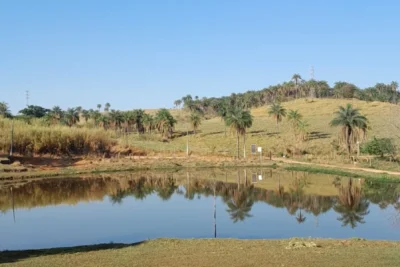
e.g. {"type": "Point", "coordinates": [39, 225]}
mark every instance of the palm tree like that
{"type": "Point", "coordinates": [99, 106]}
{"type": "Point", "coordinates": [57, 114]}
{"type": "Point", "coordinates": [300, 218]}
{"type": "Point", "coordinates": [294, 117]}
{"type": "Point", "coordinates": [352, 123]}
{"type": "Point", "coordinates": [138, 115]}
{"type": "Point", "coordinates": [195, 120]}
{"type": "Point", "coordinates": [278, 112]}
{"type": "Point", "coordinates": [85, 114]}
{"type": "Point", "coordinates": [296, 78]}
{"type": "Point", "coordinates": [165, 123]}
{"type": "Point", "coordinates": [107, 107]}
{"type": "Point", "coordinates": [239, 120]}
{"type": "Point", "coordinates": [71, 116]}
{"type": "Point", "coordinates": [148, 122]}
{"type": "Point", "coordinates": [302, 127]}
{"type": "Point", "coordinates": [351, 205]}
{"type": "Point", "coordinates": [394, 86]}
{"type": "Point", "coordinates": [177, 103]}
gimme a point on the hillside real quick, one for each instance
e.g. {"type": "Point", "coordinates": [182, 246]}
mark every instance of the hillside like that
{"type": "Point", "coordinates": [384, 118]}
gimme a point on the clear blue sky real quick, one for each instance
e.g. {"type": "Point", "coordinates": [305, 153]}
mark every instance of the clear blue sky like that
{"type": "Point", "coordinates": [146, 54]}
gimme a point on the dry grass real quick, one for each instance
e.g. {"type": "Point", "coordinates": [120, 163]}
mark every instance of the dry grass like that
{"type": "Point", "coordinates": [30, 139]}
{"type": "Point", "coordinates": [211, 139]}
{"type": "Point", "coordinates": [218, 252]}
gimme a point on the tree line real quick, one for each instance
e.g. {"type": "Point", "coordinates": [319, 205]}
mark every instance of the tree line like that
{"type": "Point", "coordinates": [296, 88]}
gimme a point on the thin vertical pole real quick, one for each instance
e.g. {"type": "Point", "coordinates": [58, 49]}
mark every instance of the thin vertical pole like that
{"type": "Point", "coordinates": [12, 139]}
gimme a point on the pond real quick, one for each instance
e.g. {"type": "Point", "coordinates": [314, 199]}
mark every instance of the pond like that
{"type": "Point", "coordinates": [244, 203]}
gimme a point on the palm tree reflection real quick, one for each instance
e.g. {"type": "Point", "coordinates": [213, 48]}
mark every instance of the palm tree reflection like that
{"type": "Point", "coordinates": [351, 206]}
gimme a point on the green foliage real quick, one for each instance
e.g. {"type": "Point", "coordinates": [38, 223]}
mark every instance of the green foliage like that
{"type": "Point", "coordinates": [379, 146]}
{"type": "Point", "coordinates": [34, 111]}
{"type": "Point", "coordinates": [195, 121]}
{"type": "Point", "coordinates": [4, 110]}
{"type": "Point", "coordinates": [353, 125]}
{"type": "Point", "coordinates": [278, 112]}
{"type": "Point", "coordinates": [165, 122]}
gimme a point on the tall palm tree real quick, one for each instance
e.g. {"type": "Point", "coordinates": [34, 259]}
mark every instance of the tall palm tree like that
{"type": "Point", "coordinates": [148, 122]}
{"type": "Point", "coordinates": [195, 121]}
{"type": "Point", "coordinates": [352, 124]}
{"type": "Point", "coordinates": [296, 78]}
{"type": "Point", "coordinates": [99, 106]}
{"type": "Point", "coordinates": [107, 107]}
{"type": "Point", "coordinates": [278, 112]}
{"type": "Point", "coordinates": [239, 120]}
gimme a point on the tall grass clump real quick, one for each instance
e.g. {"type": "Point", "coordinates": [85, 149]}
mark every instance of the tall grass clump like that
{"type": "Point", "coordinates": [37, 139]}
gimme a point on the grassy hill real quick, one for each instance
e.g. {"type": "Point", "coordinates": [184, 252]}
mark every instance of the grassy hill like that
{"type": "Point", "coordinates": [210, 139]}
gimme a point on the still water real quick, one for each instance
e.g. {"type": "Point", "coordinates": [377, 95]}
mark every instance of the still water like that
{"type": "Point", "coordinates": [245, 203]}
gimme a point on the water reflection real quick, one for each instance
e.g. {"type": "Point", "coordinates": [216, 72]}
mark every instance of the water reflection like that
{"type": "Point", "coordinates": [232, 197]}
{"type": "Point", "coordinates": [351, 205]}
{"type": "Point", "coordinates": [351, 202]}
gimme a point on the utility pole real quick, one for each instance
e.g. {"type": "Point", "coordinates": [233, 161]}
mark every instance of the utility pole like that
{"type": "Point", "coordinates": [27, 97]}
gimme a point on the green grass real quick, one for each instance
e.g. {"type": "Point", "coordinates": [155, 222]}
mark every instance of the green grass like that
{"type": "Point", "coordinates": [353, 174]}
{"type": "Point", "coordinates": [214, 252]}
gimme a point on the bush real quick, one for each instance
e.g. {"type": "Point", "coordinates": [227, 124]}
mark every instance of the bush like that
{"type": "Point", "coordinates": [379, 147]}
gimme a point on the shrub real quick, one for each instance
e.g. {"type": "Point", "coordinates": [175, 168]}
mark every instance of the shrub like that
{"type": "Point", "coordinates": [379, 146]}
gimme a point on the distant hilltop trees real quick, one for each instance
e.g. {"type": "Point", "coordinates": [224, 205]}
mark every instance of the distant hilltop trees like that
{"type": "Point", "coordinates": [294, 89]}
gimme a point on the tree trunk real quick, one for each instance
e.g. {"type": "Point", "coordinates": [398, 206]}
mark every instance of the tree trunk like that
{"type": "Point", "coordinates": [277, 124]}
{"type": "Point", "coordinates": [244, 145]}
{"type": "Point", "coordinates": [237, 143]}
{"type": "Point", "coordinates": [348, 141]}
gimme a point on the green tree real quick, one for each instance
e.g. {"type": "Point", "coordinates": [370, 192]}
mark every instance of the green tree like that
{"type": "Point", "coordinates": [34, 111]}
{"type": "Point", "coordinates": [107, 107]}
{"type": "Point", "coordinates": [4, 110]}
{"type": "Point", "coordinates": [148, 122]}
{"type": "Point", "coordinates": [99, 106]}
{"type": "Point", "coordinates": [352, 124]}
{"type": "Point", "coordinates": [380, 147]}
{"type": "Point", "coordinates": [85, 114]}
{"type": "Point", "coordinates": [278, 112]}
{"type": "Point", "coordinates": [296, 78]}
{"type": "Point", "coordinates": [394, 86]}
{"type": "Point", "coordinates": [239, 120]}
{"type": "Point", "coordinates": [195, 121]}
{"type": "Point", "coordinates": [165, 123]}
{"type": "Point", "coordinates": [56, 114]}
{"type": "Point", "coordinates": [71, 116]}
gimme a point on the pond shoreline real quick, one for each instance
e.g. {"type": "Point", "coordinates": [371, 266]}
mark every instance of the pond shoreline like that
{"type": "Point", "coordinates": [27, 168]}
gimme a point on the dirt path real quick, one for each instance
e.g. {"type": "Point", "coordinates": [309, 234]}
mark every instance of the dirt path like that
{"type": "Point", "coordinates": [335, 166]}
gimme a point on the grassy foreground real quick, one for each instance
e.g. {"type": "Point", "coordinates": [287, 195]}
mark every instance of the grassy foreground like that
{"type": "Point", "coordinates": [216, 252]}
